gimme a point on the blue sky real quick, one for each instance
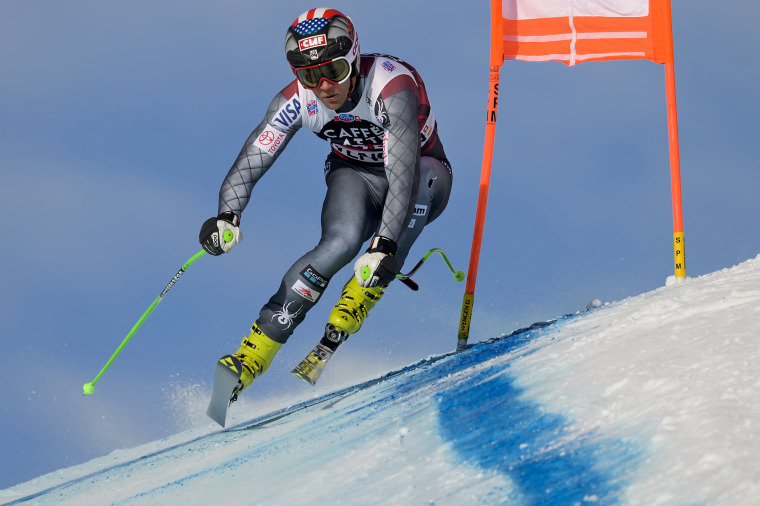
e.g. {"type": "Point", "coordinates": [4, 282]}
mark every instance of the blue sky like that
{"type": "Point", "coordinates": [119, 121]}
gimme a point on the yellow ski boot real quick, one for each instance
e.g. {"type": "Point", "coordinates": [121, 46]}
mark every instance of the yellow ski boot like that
{"type": "Point", "coordinates": [354, 305]}
{"type": "Point", "coordinates": [345, 319]}
{"type": "Point", "coordinates": [256, 353]}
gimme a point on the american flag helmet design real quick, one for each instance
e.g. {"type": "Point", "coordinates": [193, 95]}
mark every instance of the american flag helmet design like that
{"type": "Point", "coordinates": [320, 35]}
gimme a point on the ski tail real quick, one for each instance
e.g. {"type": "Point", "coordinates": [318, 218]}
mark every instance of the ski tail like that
{"type": "Point", "coordinates": [311, 367]}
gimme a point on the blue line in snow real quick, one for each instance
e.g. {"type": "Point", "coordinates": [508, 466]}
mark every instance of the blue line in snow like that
{"type": "Point", "coordinates": [490, 424]}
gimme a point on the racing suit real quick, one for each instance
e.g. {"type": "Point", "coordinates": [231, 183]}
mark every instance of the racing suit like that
{"type": "Point", "coordinates": [387, 174]}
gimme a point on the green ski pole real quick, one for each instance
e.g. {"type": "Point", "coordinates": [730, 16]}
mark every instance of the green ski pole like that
{"type": "Point", "coordinates": [405, 278]}
{"type": "Point", "coordinates": [90, 387]}
{"type": "Point", "coordinates": [458, 275]}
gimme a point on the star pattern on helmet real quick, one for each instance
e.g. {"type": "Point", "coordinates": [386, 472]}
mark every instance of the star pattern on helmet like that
{"type": "Point", "coordinates": [311, 26]}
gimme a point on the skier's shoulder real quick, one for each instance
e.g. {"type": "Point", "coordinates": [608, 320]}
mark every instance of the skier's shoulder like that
{"type": "Point", "coordinates": [387, 75]}
{"type": "Point", "coordinates": [392, 65]}
{"type": "Point", "coordinates": [285, 109]}
{"type": "Point", "coordinates": [291, 90]}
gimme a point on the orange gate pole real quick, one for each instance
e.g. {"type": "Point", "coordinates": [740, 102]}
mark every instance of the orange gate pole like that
{"type": "Point", "coordinates": [497, 60]}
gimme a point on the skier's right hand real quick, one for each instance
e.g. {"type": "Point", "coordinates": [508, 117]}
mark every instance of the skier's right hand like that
{"type": "Point", "coordinates": [220, 234]}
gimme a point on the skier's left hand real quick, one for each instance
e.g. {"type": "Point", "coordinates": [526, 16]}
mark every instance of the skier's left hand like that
{"type": "Point", "coordinates": [377, 267]}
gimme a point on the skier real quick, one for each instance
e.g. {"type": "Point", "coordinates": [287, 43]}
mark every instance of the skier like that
{"type": "Point", "coordinates": [387, 177]}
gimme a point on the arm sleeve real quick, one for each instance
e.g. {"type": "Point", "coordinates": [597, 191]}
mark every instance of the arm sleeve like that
{"type": "Point", "coordinates": [402, 162]}
{"type": "Point", "coordinates": [253, 162]}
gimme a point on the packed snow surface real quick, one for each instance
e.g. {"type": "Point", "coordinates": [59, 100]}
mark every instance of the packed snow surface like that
{"type": "Point", "coordinates": [651, 400]}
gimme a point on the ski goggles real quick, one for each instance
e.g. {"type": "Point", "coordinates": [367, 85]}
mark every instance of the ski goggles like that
{"type": "Point", "coordinates": [335, 71]}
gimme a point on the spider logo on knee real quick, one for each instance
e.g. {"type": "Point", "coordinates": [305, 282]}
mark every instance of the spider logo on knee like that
{"type": "Point", "coordinates": [285, 317]}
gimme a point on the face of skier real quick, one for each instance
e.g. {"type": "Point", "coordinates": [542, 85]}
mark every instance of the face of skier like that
{"type": "Point", "coordinates": [333, 95]}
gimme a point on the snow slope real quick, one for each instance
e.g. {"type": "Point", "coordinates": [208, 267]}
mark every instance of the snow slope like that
{"type": "Point", "coordinates": [651, 400]}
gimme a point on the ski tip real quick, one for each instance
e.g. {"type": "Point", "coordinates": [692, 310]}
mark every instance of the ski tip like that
{"type": "Point", "coordinates": [88, 388]}
{"type": "Point", "coordinates": [299, 374]}
{"type": "Point", "coordinates": [226, 380]}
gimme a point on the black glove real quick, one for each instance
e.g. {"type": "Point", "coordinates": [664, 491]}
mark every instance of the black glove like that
{"type": "Point", "coordinates": [378, 266]}
{"type": "Point", "coordinates": [221, 234]}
